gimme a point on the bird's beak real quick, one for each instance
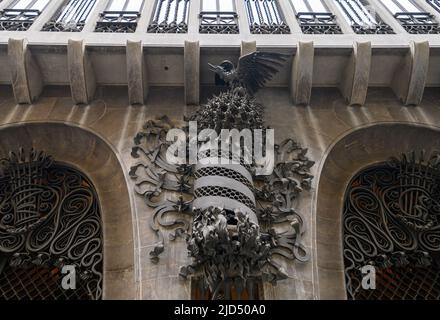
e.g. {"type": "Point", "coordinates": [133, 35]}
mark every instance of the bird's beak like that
{"type": "Point", "coordinates": [213, 67]}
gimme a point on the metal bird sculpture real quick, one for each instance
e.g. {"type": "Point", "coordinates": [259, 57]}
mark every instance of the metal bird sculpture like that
{"type": "Point", "coordinates": [252, 72]}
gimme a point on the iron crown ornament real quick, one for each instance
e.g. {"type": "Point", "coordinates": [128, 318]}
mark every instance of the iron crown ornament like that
{"type": "Point", "coordinates": [49, 218]}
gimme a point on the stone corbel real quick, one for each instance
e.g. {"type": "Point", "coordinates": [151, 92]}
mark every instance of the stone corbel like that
{"type": "Point", "coordinates": [136, 73]}
{"type": "Point", "coordinates": [302, 73]}
{"type": "Point", "coordinates": [410, 77]}
{"type": "Point", "coordinates": [81, 73]}
{"type": "Point", "coordinates": [192, 72]}
{"type": "Point", "coordinates": [354, 84]}
{"type": "Point", "coordinates": [26, 77]}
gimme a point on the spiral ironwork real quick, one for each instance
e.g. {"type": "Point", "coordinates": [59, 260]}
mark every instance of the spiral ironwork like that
{"type": "Point", "coordinates": [392, 221]}
{"type": "Point", "coordinates": [50, 217]}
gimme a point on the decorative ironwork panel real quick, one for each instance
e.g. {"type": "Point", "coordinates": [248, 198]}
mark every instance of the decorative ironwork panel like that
{"type": "Point", "coordinates": [235, 213]}
{"type": "Point", "coordinates": [21, 14]}
{"type": "Point", "coordinates": [412, 17]}
{"type": "Point", "coordinates": [170, 16]}
{"type": "Point", "coordinates": [435, 4]}
{"type": "Point", "coordinates": [120, 16]}
{"type": "Point", "coordinates": [314, 17]}
{"type": "Point", "coordinates": [392, 222]}
{"type": "Point", "coordinates": [265, 17]}
{"type": "Point", "coordinates": [362, 20]}
{"type": "Point", "coordinates": [218, 16]}
{"type": "Point", "coordinates": [49, 217]}
{"type": "Point", "coordinates": [71, 16]}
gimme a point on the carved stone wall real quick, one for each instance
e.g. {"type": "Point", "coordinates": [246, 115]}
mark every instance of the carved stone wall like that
{"type": "Point", "coordinates": [97, 139]}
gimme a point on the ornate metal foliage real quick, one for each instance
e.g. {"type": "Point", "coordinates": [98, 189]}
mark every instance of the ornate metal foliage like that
{"type": "Point", "coordinates": [71, 16]}
{"type": "Point", "coordinates": [392, 221]}
{"type": "Point", "coordinates": [265, 17]}
{"type": "Point", "coordinates": [236, 216]}
{"type": "Point", "coordinates": [276, 195]}
{"type": "Point", "coordinates": [361, 20]}
{"type": "Point", "coordinates": [49, 217]}
{"type": "Point", "coordinates": [170, 16]}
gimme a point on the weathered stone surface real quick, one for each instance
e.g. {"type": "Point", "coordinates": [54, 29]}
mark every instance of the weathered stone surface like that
{"type": "Point", "coordinates": [81, 74]}
{"type": "Point", "coordinates": [26, 78]}
{"type": "Point", "coordinates": [136, 73]}
{"type": "Point", "coordinates": [302, 73]}
{"type": "Point", "coordinates": [354, 84]}
{"type": "Point", "coordinates": [409, 79]}
{"type": "Point", "coordinates": [192, 72]}
{"type": "Point", "coordinates": [248, 47]}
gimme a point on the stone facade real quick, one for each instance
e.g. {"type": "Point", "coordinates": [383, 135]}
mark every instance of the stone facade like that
{"type": "Point", "coordinates": [98, 137]}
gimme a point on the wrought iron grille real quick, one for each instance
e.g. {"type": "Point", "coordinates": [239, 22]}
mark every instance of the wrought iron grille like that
{"type": "Point", "coordinates": [435, 4]}
{"type": "Point", "coordinates": [227, 291]}
{"type": "Point", "coordinates": [170, 16]}
{"type": "Point", "coordinates": [392, 221]}
{"type": "Point", "coordinates": [361, 19]}
{"type": "Point", "coordinates": [120, 16]}
{"type": "Point", "coordinates": [21, 14]}
{"type": "Point", "coordinates": [218, 16]}
{"type": "Point", "coordinates": [412, 18]}
{"type": "Point", "coordinates": [314, 17]}
{"type": "Point", "coordinates": [265, 17]}
{"type": "Point", "coordinates": [71, 16]}
{"type": "Point", "coordinates": [39, 283]}
{"type": "Point", "coordinates": [49, 218]}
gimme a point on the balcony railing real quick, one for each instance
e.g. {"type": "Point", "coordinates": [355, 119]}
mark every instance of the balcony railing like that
{"type": "Point", "coordinates": [170, 16]}
{"type": "Point", "coordinates": [418, 22]}
{"type": "Point", "coordinates": [17, 19]}
{"type": "Point", "coordinates": [318, 23]}
{"type": "Point", "coordinates": [218, 22]}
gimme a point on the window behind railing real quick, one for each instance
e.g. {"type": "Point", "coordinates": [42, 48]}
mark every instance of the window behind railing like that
{"type": "Point", "coordinates": [218, 16]}
{"type": "Point", "coordinates": [170, 16]}
{"type": "Point", "coordinates": [435, 4]}
{"type": "Point", "coordinates": [314, 17]}
{"type": "Point", "coordinates": [120, 16]}
{"type": "Point", "coordinates": [265, 17]}
{"type": "Point", "coordinates": [362, 18]}
{"type": "Point", "coordinates": [412, 17]}
{"type": "Point", "coordinates": [21, 14]}
{"type": "Point", "coordinates": [71, 16]}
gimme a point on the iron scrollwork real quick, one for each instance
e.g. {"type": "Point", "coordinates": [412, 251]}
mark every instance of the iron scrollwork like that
{"type": "Point", "coordinates": [392, 217]}
{"type": "Point", "coordinates": [228, 215]}
{"type": "Point", "coordinates": [49, 216]}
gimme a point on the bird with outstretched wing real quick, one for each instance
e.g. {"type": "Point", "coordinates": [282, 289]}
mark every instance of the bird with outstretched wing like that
{"type": "Point", "coordinates": [252, 72]}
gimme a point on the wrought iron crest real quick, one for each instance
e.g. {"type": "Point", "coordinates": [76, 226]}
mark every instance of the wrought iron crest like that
{"type": "Point", "coordinates": [392, 216]}
{"type": "Point", "coordinates": [49, 216]}
{"type": "Point", "coordinates": [229, 216]}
